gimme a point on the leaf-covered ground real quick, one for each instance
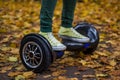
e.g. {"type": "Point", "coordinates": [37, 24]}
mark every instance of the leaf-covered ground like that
{"type": "Point", "coordinates": [20, 18]}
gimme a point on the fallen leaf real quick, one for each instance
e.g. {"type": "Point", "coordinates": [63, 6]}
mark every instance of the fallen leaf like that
{"type": "Point", "coordinates": [52, 69]}
{"type": "Point", "coordinates": [19, 77]}
{"type": "Point", "coordinates": [3, 30]}
{"type": "Point", "coordinates": [73, 79]}
{"type": "Point", "coordinates": [77, 73]}
{"type": "Point", "coordinates": [29, 74]}
{"type": "Point", "coordinates": [101, 75]}
{"type": "Point", "coordinates": [88, 76]}
{"type": "Point", "coordinates": [62, 78]}
{"type": "Point", "coordinates": [12, 59]}
{"type": "Point", "coordinates": [115, 73]}
{"type": "Point", "coordinates": [102, 53]}
{"type": "Point", "coordinates": [5, 69]}
{"type": "Point", "coordinates": [47, 76]}
{"type": "Point", "coordinates": [82, 68]}
{"type": "Point", "coordinates": [112, 62]}
{"type": "Point", "coordinates": [104, 60]}
{"type": "Point", "coordinates": [20, 68]}
{"type": "Point", "coordinates": [94, 56]}
{"type": "Point", "coordinates": [57, 73]}
{"type": "Point", "coordinates": [83, 62]}
{"type": "Point", "coordinates": [12, 74]}
{"type": "Point", "coordinates": [13, 45]}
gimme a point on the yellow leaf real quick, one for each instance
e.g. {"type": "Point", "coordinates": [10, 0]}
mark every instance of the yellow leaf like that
{"type": "Point", "coordinates": [3, 30]}
{"type": "Point", "coordinates": [13, 45]}
{"type": "Point", "coordinates": [83, 62]}
{"type": "Point", "coordinates": [109, 67]}
{"type": "Point", "coordinates": [95, 56]}
{"type": "Point", "coordinates": [20, 77]}
{"type": "Point", "coordinates": [67, 60]}
{"type": "Point", "coordinates": [20, 67]}
{"type": "Point", "coordinates": [12, 74]}
{"type": "Point", "coordinates": [19, 23]}
{"type": "Point", "coordinates": [27, 25]}
{"type": "Point", "coordinates": [85, 13]}
{"type": "Point", "coordinates": [12, 59]}
{"type": "Point", "coordinates": [88, 76]}
{"type": "Point", "coordinates": [102, 36]}
{"type": "Point", "coordinates": [26, 32]}
{"type": "Point", "coordinates": [80, 54]}
{"type": "Point", "coordinates": [73, 78]}
{"type": "Point", "coordinates": [101, 75]}
{"type": "Point", "coordinates": [102, 53]}
{"type": "Point", "coordinates": [5, 48]}
{"type": "Point", "coordinates": [112, 62]}
{"type": "Point", "coordinates": [57, 73]}
{"type": "Point", "coordinates": [86, 1]}
{"type": "Point", "coordinates": [62, 78]}
{"type": "Point", "coordinates": [28, 74]}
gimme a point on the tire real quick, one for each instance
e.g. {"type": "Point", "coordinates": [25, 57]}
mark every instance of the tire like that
{"type": "Point", "coordinates": [35, 53]}
{"type": "Point", "coordinates": [90, 31]}
{"type": "Point", "coordinates": [91, 49]}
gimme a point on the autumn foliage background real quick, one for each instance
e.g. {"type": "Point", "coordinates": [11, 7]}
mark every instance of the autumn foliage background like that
{"type": "Point", "coordinates": [20, 17]}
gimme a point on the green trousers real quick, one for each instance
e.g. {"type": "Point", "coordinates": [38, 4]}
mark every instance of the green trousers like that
{"type": "Point", "coordinates": [47, 10]}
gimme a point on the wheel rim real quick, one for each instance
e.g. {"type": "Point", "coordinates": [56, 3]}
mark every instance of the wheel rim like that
{"type": "Point", "coordinates": [32, 54]}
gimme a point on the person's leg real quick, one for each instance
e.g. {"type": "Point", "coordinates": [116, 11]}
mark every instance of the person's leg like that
{"type": "Point", "coordinates": [46, 15]}
{"type": "Point", "coordinates": [66, 30]}
{"type": "Point", "coordinates": [68, 13]}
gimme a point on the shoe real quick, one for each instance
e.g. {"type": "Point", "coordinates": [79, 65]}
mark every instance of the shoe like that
{"type": "Point", "coordinates": [72, 34]}
{"type": "Point", "coordinates": [56, 45]}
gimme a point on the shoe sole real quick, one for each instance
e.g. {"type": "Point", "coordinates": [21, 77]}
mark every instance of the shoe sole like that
{"type": "Point", "coordinates": [58, 48]}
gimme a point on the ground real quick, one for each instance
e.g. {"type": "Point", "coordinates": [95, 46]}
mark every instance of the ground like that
{"type": "Point", "coordinates": [20, 18]}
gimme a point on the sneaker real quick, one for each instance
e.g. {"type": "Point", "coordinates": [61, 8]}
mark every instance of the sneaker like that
{"type": "Point", "coordinates": [56, 45]}
{"type": "Point", "coordinates": [72, 34]}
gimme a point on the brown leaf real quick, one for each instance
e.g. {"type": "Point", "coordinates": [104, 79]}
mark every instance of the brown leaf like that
{"type": "Point", "coordinates": [52, 69]}
{"type": "Point", "coordinates": [57, 73]}
{"type": "Point", "coordinates": [12, 74]}
{"type": "Point", "coordinates": [82, 68]}
{"type": "Point", "coordinates": [115, 73]}
{"type": "Point", "coordinates": [5, 69]}
{"type": "Point", "coordinates": [77, 73]}
{"type": "Point", "coordinates": [104, 60]}
{"type": "Point", "coordinates": [47, 76]}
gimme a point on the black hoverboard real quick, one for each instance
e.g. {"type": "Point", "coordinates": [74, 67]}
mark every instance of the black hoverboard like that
{"type": "Point", "coordinates": [37, 54]}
